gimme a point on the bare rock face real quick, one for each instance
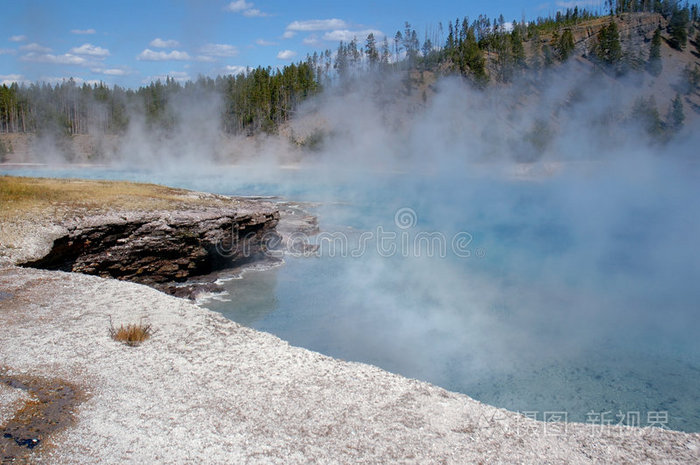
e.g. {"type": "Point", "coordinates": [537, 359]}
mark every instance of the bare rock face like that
{"type": "Point", "coordinates": [159, 247]}
{"type": "Point", "coordinates": [635, 29]}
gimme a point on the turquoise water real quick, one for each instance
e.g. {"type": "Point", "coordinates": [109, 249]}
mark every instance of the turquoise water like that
{"type": "Point", "coordinates": [575, 293]}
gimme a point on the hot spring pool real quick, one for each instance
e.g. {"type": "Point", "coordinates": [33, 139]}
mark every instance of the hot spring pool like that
{"type": "Point", "coordinates": [575, 295]}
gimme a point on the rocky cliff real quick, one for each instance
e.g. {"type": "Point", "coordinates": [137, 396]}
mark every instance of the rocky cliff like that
{"type": "Point", "coordinates": [159, 247]}
{"type": "Point", "coordinates": [172, 239]}
{"type": "Point", "coordinates": [635, 31]}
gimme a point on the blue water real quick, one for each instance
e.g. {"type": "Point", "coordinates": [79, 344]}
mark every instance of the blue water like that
{"type": "Point", "coordinates": [575, 293]}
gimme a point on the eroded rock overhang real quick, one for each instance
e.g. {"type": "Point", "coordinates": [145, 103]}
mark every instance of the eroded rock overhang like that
{"type": "Point", "coordinates": [161, 247]}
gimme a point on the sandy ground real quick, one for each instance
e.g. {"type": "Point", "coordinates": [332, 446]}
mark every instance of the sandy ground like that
{"type": "Point", "coordinates": [206, 390]}
{"type": "Point", "coordinates": [11, 400]}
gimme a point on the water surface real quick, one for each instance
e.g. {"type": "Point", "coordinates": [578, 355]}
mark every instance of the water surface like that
{"type": "Point", "coordinates": [573, 293]}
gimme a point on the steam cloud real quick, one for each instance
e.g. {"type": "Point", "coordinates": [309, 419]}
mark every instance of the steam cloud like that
{"type": "Point", "coordinates": [590, 228]}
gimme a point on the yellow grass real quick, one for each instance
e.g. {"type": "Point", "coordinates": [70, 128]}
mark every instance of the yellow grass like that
{"type": "Point", "coordinates": [131, 334]}
{"type": "Point", "coordinates": [37, 191]}
{"type": "Point", "coordinates": [20, 195]}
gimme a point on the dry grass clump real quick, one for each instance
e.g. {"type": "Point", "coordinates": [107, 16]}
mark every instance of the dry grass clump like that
{"type": "Point", "coordinates": [131, 334]}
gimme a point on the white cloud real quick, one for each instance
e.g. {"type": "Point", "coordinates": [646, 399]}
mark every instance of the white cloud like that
{"type": "Point", "coordinates": [7, 51]}
{"type": "Point", "coordinates": [17, 38]}
{"type": "Point", "coordinates": [34, 47]}
{"type": "Point", "coordinates": [8, 79]}
{"type": "Point", "coordinates": [76, 80]}
{"type": "Point", "coordinates": [286, 55]}
{"type": "Point", "coordinates": [111, 71]}
{"type": "Point", "coordinates": [65, 59]}
{"type": "Point", "coordinates": [245, 8]}
{"type": "Point", "coordinates": [288, 34]}
{"type": "Point", "coordinates": [254, 13]}
{"type": "Point", "coordinates": [312, 40]}
{"type": "Point", "coordinates": [219, 50]}
{"type": "Point", "coordinates": [83, 31]}
{"type": "Point", "coordinates": [580, 3]}
{"type": "Point", "coordinates": [238, 6]}
{"type": "Point", "coordinates": [347, 35]}
{"type": "Point", "coordinates": [175, 55]}
{"type": "Point", "coordinates": [180, 76]}
{"type": "Point", "coordinates": [235, 69]}
{"type": "Point", "coordinates": [91, 50]}
{"type": "Point", "coordinates": [264, 43]}
{"type": "Point", "coordinates": [317, 25]}
{"type": "Point", "coordinates": [205, 59]}
{"type": "Point", "coordinates": [160, 43]}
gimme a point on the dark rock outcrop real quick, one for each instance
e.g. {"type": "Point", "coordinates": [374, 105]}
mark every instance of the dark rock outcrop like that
{"type": "Point", "coordinates": [160, 247]}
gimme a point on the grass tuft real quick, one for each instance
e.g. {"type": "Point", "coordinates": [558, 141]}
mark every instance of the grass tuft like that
{"type": "Point", "coordinates": [132, 334]}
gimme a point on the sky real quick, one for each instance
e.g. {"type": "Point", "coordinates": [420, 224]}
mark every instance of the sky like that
{"type": "Point", "coordinates": [131, 43]}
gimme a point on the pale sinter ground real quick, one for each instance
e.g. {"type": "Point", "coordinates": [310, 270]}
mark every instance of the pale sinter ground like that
{"type": "Point", "coordinates": [203, 389]}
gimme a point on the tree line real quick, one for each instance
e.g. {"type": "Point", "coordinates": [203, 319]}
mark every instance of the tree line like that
{"type": "Point", "coordinates": [261, 99]}
{"type": "Point", "coordinates": [258, 100]}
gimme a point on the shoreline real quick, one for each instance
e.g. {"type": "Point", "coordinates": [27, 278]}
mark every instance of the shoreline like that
{"type": "Point", "coordinates": [175, 240]}
{"type": "Point", "coordinates": [205, 389]}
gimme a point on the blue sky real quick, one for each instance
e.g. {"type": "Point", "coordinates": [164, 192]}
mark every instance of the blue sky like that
{"type": "Point", "coordinates": [129, 42]}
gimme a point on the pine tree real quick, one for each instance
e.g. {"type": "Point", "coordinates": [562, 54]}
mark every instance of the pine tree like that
{"type": "Point", "coordinates": [428, 54]}
{"type": "Point", "coordinates": [678, 27]}
{"type": "Point", "coordinates": [646, 113]}
{"type": "Point", "coordinates": [410, 44]}
{"type": "Point", "coordinates": [341, 60]}
{"type": "Point", "coordinates": [516, 45]}
{"type": "Point", "coordinates": [427, 47]}
{"type": "Point", "coordinates": [565, 45]}
{"type": "Point", "coordinates": [385, 51]}
{"type": "Point", "coordinates": [608, 49]}
{"type": "Point", "coordinates": [654, 65]}
{"type": "Point", "coordinates": [676, 116]}
{"type": "Point", "coordinates": [548, 55]}
{"type": "Point", "coordinates": [504, 57]}
{"type": "Point", "coordinates": [690, 78]}
{"type": "Point", "coordinates": [472, 59]}
{"type": "Point", "coordinates": [535, 51]}
{"type": "Point", "coordinates": [398, 39]}
{"type": "Point", "coordinates": [371, 50]}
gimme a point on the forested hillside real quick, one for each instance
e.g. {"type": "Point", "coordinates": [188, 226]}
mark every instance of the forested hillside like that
{"type": "Point", "coordinates": [257, 100]}
{"type": "Point", "coordinates": [484, 51]}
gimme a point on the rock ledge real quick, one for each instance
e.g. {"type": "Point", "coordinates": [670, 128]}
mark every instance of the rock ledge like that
{"type": "Point", "coordinates": [159, 247]}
